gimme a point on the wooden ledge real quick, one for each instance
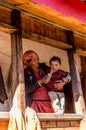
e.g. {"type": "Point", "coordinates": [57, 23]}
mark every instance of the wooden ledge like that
{"type": "Point", "coordinates": [4, 115]}
{"type": "Point", "coordinates": [53, 116]}
{"type": "Point", "coordinates": [47, 116]}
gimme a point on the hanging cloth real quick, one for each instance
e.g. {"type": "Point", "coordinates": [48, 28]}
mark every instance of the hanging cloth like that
{"type": "Point", "coordinates": [31, 120]}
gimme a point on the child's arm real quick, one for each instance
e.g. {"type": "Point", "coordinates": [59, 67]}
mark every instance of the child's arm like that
{"type": "Point", "coordinates": [46, 78]}
{"type": "Point", "coordinates": [67, 78]}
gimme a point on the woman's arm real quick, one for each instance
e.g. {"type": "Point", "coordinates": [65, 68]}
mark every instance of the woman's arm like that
{"type": "Point", "coordinates": [31, 84]}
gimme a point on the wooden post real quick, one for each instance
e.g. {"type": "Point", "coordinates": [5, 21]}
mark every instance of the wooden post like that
{"type": "Point", "coordinates": [76, 83]}
{"type": "Point", "coordinates": [18, 88]}
{"type": "Point", "coordinates": [83, 76]}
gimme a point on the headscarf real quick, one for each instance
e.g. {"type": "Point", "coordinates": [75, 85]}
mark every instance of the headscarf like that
{"type": "Point", "coordinates": [28, 56]}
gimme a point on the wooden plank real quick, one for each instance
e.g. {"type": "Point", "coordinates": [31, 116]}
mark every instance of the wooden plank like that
{"type": "Point", "coordinates": [48, 124]}
{"type": "Point", "coordinates": [54, 16]}
{"type": "Point", "coordinates": [51, 16]}
{"type": "Point", "coordinates": [7, 28]}
{"type": "Point", "coordinates": [5, 8]}
{"type": "Point", "coordinates": [74, 123]}
{"type": "Point", "coordinates": [80, 42]}
{"type": "Point", "coordinates": [46, 41]}
{"type": "Point", "coordinates": [17, 1]}
{"type": "Point", "coordinates": [32, 25]}
{"type": "Point", "coordinates": [81, 52]}
{"type": "Point", "coordinates": [3, 125]}
{"type": "Point", "coordinates": [62, 124]}
{"type": "Point", "coordinates": [4, 116]}
{"type": "Point", "coordinates": [54, 116]}
{"type": "Point", "coordinates": [5, 17]}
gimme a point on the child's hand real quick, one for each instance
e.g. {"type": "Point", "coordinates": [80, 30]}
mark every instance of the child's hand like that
{"type": "Point", "coordinates": [52, 70]}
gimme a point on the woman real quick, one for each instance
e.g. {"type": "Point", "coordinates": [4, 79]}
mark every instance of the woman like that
{"type": "Point", "coordinates": [36, 94]}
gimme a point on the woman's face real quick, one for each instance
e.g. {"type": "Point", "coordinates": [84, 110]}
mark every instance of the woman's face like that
{"type": "Point", "coordinates": [34, 62]}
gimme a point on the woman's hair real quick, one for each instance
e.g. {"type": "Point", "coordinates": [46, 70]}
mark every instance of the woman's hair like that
{"type": "Point", "coordinates": [55, 58]}
{"type": "Point", "coordinates": [28, 56]}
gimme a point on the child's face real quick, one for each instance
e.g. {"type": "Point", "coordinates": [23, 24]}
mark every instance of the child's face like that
{"type": "Point", "coordinates": [55, 65]}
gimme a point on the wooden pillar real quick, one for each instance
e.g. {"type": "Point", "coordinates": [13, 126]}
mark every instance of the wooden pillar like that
{"type": "Point", "coordinates": [76, 83]}
{"type": "Point", "coordinates": [18, 88]}
{"type": "Point", "coordinates": [83, 76]}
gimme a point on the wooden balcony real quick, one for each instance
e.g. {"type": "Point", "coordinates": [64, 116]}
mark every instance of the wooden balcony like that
{"type": "Point", "coordinates": [49, 121]}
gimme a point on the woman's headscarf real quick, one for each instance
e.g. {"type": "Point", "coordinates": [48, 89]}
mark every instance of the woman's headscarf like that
{"type": "Point", "coordinates": [28, 56]}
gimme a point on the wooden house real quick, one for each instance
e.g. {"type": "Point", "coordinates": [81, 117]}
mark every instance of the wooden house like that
{"type": "Point", "coordinates": [50, 28]}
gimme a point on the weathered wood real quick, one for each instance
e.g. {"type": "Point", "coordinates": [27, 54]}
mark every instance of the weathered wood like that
{"type": "Point", "coordinates": [76, 83]}
{"type": "Point", "coordinates": [81, 52]}
{"type": "Point", "coordinates": [80, 44]}
{"type": "Point", "coordinates": [83, 76]}
{"type": "Point", "coordinates": [17, 62]}
{"type": "Point", "coordinates": [46, 41]}
{"type": "Point", "coordinates": [64, 117]}
{"type": "Point", "coordinates": [39, 26]}
{"type": "Point", "coordinates": [51, 16]}
{"type": "Point", "coordinates": [7, 28]}
{"type": "Point", "coordinates": [42, 28]}
{"type": "Point", "coordinates": [18, 1]}
{"type": "Point", "coordinates": [4, 125]}
{"type": "Point", "coordinates": [4, 115]}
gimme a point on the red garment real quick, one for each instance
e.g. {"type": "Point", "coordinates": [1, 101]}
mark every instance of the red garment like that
{"type": "Point", "coordinates": [57, 76]}
{"type": "Point", "coordinates": [41, 102]}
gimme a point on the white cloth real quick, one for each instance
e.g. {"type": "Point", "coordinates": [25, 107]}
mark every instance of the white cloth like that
{"type": "Point", "coordinates": [58, 101]}
{"type": "Point", "coordinates": [31, 120]}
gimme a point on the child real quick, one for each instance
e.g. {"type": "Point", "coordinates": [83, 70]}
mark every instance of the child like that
{"type": "Point", "coordinates": [55, 81]}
